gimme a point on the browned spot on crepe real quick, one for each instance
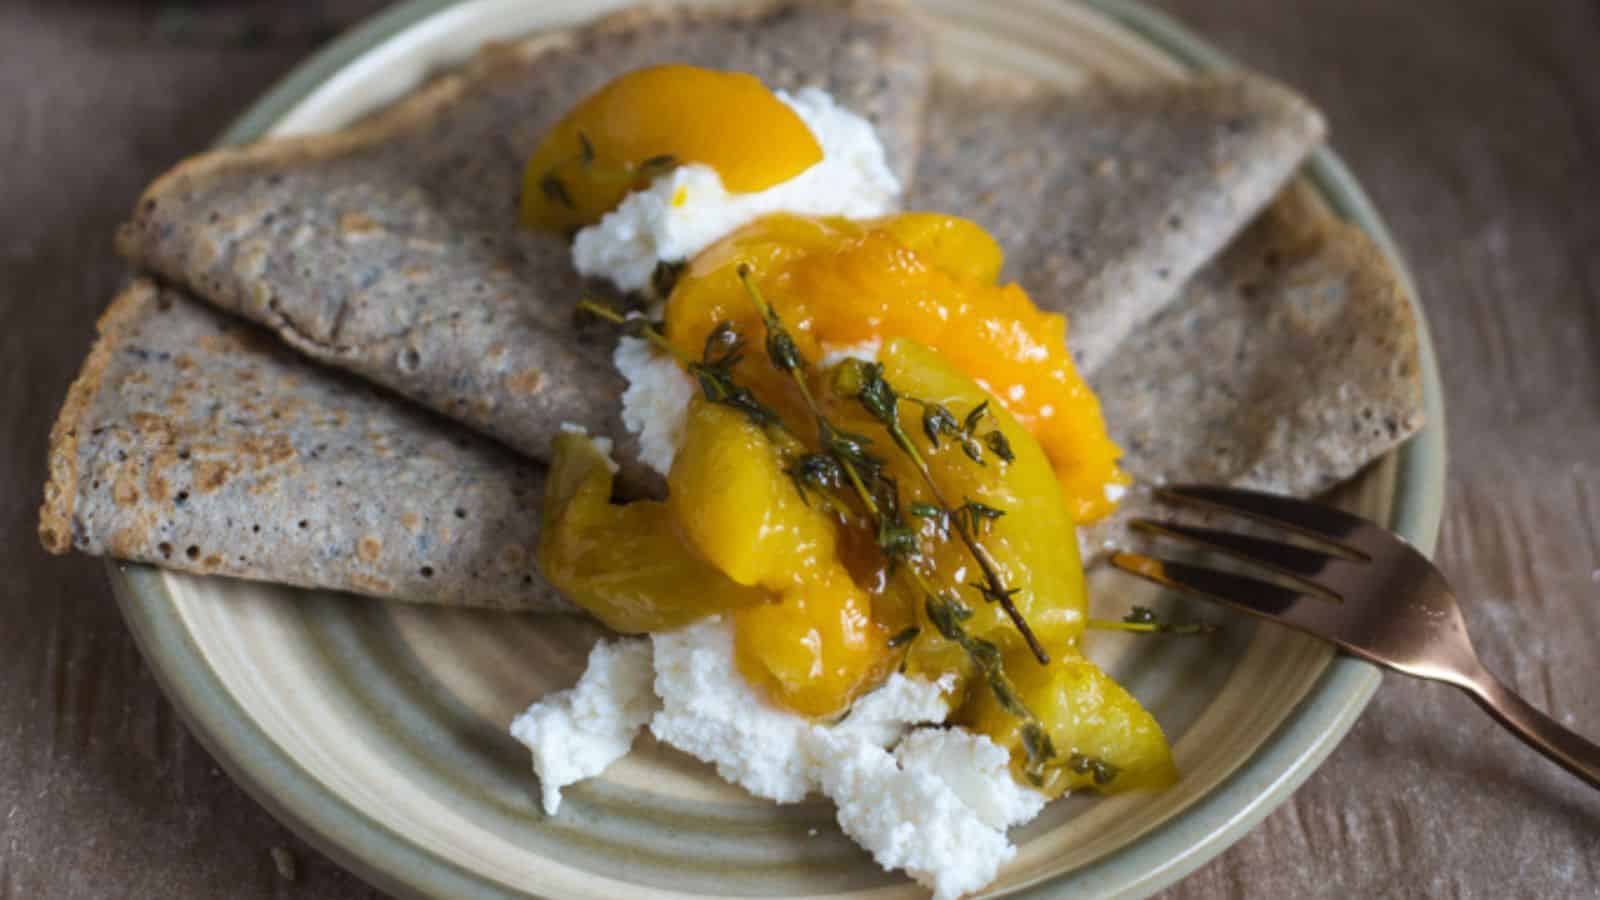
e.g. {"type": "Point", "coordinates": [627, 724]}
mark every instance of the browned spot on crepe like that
{"type": "Point", "coordinates": [210, 475]}
{"type": "Point", "coordinates": [528, 381]}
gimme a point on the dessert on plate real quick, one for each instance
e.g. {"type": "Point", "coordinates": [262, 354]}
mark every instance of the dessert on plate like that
{"type": "Point", "coordinates": [861, 357]}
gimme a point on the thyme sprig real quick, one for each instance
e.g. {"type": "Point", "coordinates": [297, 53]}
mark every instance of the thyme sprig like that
{"type": "Point", "coordinates": [938, 421]}
{"type": "Point", "coordinates": [1143, 620]}
{"type": "Point", "coordinates": [879, 398]}
{"type": "Point", "coordinates": [947, 613]}
{"type": "Point", "coordinates": [633, 325]}
{"type": "Point", "coordinates": [713, 371]}
{"type": "Point", "coordinates": [851, 453]}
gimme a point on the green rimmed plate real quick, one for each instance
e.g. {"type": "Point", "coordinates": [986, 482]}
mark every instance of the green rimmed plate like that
{"type": "Point", "coordinates": [378, 731]}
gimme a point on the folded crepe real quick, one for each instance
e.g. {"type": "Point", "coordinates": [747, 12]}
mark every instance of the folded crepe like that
{"type": "Point", "coordinates": [393, 250]}
{"type": "Point", "coordinates": [1107, 199]}
{"type": "Point", "coordinates": [1286, 359]}
{"type": "Point", "coordinates": [198, 442]}
{"type": "Point", "coordinates": [1286, 364]}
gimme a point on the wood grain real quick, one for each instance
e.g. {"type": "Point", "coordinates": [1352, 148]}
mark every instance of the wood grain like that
{"type": "Point", "coordinates": [1475, 127]}
{"type": "Point", "coordinates": [103, 793]}
{"type": "Point", "coordinates": [1475, 124]}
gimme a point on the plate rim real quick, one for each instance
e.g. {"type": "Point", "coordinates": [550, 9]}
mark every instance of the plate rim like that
{"type": "Point", "coordinates": [1179, 846]}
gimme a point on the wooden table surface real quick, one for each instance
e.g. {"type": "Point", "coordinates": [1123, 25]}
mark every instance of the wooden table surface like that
{"type": "Point", "coordinates": [1475, 125]}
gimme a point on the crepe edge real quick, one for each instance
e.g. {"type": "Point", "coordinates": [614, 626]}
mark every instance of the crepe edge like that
{"type": "Point", "coordinates": [1300, 210]}
{"type": "Point", "coordinates": [419, 105]}
{"type": "Point", "coordinates": [61, 484]}
{"type": "Point", "coordinates": [1265, 93]}
{"type": "Point", "coordinates": [1303, 208]}
{"type": "Point", "coordinates": [1291, 127]}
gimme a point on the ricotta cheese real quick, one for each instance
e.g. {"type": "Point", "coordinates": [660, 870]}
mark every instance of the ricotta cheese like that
{"type": "Point", "coordinates": [910, 818]}
{"type": "Point", "coordinates": [655, 405]}
{"type": "Point", "coordinates": [710, 712]}
{"type": "Point", "coordinates": [686, 210]}
{"type": "Point", "coordinates": [976, 768]}
{"type": "Point", "coordinates": [576, 733]}
{"type": "Point", "coordinates": [934, 802]}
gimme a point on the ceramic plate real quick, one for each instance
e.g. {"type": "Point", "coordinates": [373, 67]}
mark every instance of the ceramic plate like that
{"type": "Point", "coordinates": [378, 731]}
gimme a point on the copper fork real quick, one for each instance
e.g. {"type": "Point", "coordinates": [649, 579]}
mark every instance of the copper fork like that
{"type": "Point", "coordinates": [1367, 590]}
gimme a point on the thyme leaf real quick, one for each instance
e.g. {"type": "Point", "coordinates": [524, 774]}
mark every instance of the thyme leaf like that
{"type": "Point", "coordinates": [938, 420]}
{"type": "Point", "coordinates": [904, 637]}
{"type": "Point", "coordinates": [848, 446]}
{"type": "Point", "coordinates": [555, 190]}
{"type": "Point", "coordinates": [975, 418]}
{"type": "Point", "coordinates": [1143, 620]}
{"type": "Point", "coordinates": [881, 401]}
{"type": "Point", "coordinates": [1101, 771]}
{"type": "Point", "coordinates": [1039, 748]}
{"type": "Point", "coordinates": [817, 470]}
{"type": "Point", "coordinates": [723, 348]}
{"type": "Point", "coordinates": [977, 515]}
{"type": "Point", "coordinates": [658, 165]}
{"type": "Point", "coordinates": [877, 396]}
{"type": "Point", "coordinates": [1001, 446]}
{"type": "Point", "coordinates": [898, 542]}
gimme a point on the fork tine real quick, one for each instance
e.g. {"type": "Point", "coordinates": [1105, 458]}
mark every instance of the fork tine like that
{"type": "Point", "coordinates": [1300, 563]}
{"type": "Point", "coordinates": [1241, 592]}
{"type": "Point", "coordinates": [1339, 528]}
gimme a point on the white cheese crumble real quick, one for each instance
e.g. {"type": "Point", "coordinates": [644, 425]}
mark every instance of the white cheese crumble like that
{"type": "Point", "coordinates": [655, 405]}
{"type": "Point", "coordinates": [686, 210]}
{"type": "Point", "coordinates": [976, 768]}
{"type": "Point", "coordinates": [934, 802]}
{"type": "Point", "coordinates": [710, 712]}
{"type": "Point", "coordinates": [576, 733]}
{"type": "Point", "coordinates": [909, 818]}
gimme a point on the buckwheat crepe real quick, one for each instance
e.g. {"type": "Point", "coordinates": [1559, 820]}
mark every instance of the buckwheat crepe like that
{"type": "Point", "coordinates": [1286, 359]}
{"type": "Point", "coordinates": [1107, 199]}
{"type": "Point", "coordinates": [393, 249]}
{"type": "Point", "coordinates": [198, 442]}
{"type": "Point", "coordinates": [1286, 364]}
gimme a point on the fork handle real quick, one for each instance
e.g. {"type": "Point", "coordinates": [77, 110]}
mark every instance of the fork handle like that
{"type": "Point", "coordinates": [1560, 744]}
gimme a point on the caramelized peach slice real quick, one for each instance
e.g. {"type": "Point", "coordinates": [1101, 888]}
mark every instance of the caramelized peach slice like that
{"type": "Point", "coordinates": [641, 124]}
{"type": "Point", "coordinates": [816, 646]}
{"type": "Point", "coordinates": [1103, 738]}
{"type": "Point", "coordinates": [921, 276]}
{"type": "Point", "coordinates": [625, 565]}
